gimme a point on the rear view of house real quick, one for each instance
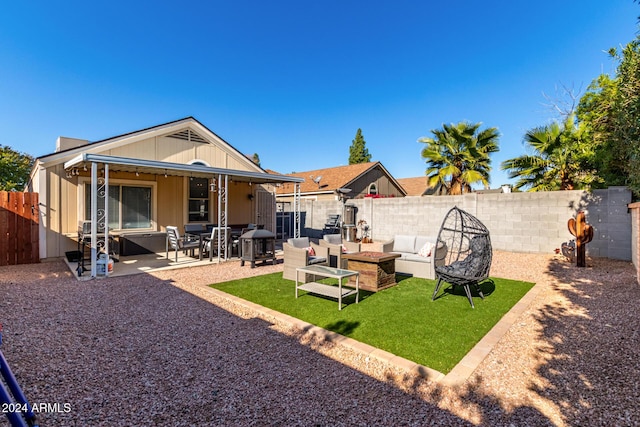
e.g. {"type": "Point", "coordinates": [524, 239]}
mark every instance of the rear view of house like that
{"type": "Point", "coordinates": [177, 173]}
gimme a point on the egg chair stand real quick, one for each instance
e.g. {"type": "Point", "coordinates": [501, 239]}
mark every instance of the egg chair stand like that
{"type": "Point", "coordinates": [467, 260]}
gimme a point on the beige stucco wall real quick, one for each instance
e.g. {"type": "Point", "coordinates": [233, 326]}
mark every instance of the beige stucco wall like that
{"type": "Point", "coordinates": [62, 207]}
{"type": "Point", "coordinates": [180, 151]}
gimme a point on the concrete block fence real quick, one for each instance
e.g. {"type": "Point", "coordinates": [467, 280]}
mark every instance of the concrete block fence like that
{"type": "Point", "coordinates": [635, 237]}
{"type": "Point", "coordinates": [518, 222]}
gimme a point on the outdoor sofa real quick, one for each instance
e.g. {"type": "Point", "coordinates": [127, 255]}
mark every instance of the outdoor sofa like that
{"type": "Point", "coordinates": [417, 254]}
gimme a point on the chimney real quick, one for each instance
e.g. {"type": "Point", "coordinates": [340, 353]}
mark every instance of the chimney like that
{"type": "Point", "coordinates": [64, 143]}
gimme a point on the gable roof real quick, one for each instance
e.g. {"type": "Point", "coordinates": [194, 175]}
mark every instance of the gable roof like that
{"type": "Point", "coordinates": [81, 156]}
{"type": "Point", "coordinates": [332, 178]}
{"type": "Point", "coordinates": [416, 186]}
{"type": "Point", "coordinates": [188, 129]}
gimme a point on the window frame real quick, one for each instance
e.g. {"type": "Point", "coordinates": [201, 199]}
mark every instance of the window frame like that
{"type": "Point", "coordinates": [82, 182]}
{"type": "Point", "coordinates": [211, 199]}
{"type": "Point", "coordinates": [208, 200]}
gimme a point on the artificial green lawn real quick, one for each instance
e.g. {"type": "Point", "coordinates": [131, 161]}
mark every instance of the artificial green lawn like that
{"type": "Point", "coordinates": [402, 320]}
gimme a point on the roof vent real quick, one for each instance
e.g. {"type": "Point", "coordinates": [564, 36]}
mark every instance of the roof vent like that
{"type": "Point", "coordinates": [188, 135]}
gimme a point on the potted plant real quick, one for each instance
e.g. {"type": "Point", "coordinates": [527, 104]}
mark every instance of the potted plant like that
{"type": "Point", "coordinates": [364, 231]}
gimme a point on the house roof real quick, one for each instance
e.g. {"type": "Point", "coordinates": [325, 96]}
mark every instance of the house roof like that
{"type": "Point", "coordinates": [187, 129]}
{"type": "Point", "coordinates": [415, 186]}
{"type": "Point", "coordinates": [330, 179]}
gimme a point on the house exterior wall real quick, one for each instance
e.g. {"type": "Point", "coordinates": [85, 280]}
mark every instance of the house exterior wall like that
{"type": "Point", "coordinates": [518, 222]}
{"type": "Point", "coordinates": [62, 203]}
{"type": "Point", "coordinates": [176, 150]}
{"type": "Point", "coordinates": [171, 207]}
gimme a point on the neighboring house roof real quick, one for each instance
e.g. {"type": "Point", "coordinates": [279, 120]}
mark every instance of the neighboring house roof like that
{"type": "Point", "coordinates": [330, 179]}
{"type": "Point", "coordinates": [416, 186]}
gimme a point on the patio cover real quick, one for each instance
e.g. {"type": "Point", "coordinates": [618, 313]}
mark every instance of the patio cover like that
{"type": "Point", "coordinates": [127, 164]}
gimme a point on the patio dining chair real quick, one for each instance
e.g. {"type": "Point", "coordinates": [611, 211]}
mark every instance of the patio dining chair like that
{"type": "Point", "coordinates": [175, 242]}
{"type": "Point", "coordinates": [212, 244]}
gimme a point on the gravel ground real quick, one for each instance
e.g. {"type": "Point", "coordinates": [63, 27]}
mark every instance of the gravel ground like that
{"type": "Point", "coordinates": [160, 349]}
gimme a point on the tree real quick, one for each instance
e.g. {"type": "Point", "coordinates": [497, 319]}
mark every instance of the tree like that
{"type": "Point", "coordinates": [595, 113]}
{"type": "Point", "coordinates": [611, 112]}
{"type": "Point", "coordinates": [14, 169]}
{"type": "Point", "coordinates": [256, 159]}
{"type": "Point", "coordinates": [559, 161]}
{"type": "Point", "coordinates": [459, 156]}
{"type": "Point", "coordinates": [358, 152]}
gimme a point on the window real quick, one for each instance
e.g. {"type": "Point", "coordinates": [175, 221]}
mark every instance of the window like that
{"type": "Point", "coordinates": [198, 199]}
{"type": "Point", "coordinates": [373, 190]}
{"type": "Point", "coordinates": [129, 206]}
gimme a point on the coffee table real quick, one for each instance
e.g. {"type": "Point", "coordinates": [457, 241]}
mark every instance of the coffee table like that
{"type": "Point", "coordinates": [377, 269]}
{"type": "Point", "coordinates": [328, 290]}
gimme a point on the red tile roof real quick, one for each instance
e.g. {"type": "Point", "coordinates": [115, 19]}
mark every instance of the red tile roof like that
{"type": "Point", "coordinates": [414, 186]}
{"type": "Point", "coordinates": [330, 178]}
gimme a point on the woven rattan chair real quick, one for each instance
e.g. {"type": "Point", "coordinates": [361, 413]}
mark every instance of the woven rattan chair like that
{"type": "Point", "coordinates": [296, 254]}
{"type": "Point", "coordinates": [338, 248]}
{"type": "Point", "coordinates": [467, 260]}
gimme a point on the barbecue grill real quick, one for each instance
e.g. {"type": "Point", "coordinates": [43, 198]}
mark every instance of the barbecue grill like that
{"type": "Point", "coordinates": [258, 245]}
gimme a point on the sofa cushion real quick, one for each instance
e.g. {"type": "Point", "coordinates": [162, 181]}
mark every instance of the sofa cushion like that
{"type": "Point", "coordinates": [403, 255]}
{"type": "Point", "coordinates": [402, 243]}
{"type": "Point", "coordinates": [416, 258]}
{"type": "Point", "coordinates": [316, 260]}
{"type": "Point", "coordinates": [425, 251]}
{"type": "Point", "coordinates": [421, 240]}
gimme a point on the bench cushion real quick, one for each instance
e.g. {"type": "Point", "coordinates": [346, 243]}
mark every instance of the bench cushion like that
{"type": "Point", "coordinates": [417, 258]}
{"type": "Point", "coordinates": [402, 243]}
{"type": "Point", "coordinates": [316, 260]}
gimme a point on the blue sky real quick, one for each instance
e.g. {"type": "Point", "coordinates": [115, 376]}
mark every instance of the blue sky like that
{"type": "Point", "coordinates": [294, 80]}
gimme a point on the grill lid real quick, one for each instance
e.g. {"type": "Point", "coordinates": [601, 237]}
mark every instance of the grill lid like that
{"type": "Point", "coordinates": [258, 234]}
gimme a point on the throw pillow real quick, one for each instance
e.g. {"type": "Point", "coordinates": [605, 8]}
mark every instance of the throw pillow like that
{"type": "Point", "coordinates": [344, 249]}
{"type": "Point", "coordinates": [425, 251]}
{"type": "Point", "coordinates": [311, 251]}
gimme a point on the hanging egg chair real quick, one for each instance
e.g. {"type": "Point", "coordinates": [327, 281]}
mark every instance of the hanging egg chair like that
{"type": "Point", "coordinates": [467, 259]}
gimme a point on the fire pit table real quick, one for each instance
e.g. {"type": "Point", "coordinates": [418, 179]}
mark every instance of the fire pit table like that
{"type": "Point", "coordinates": [377, 269]}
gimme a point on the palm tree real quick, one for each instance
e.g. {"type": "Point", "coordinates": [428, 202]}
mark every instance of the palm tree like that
{"type": "Point", "coordinates": [559, 162]}
{"type": "Point", "coordinates": [458, 156]}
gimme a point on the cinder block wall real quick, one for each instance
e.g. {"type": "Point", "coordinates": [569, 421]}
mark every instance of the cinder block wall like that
{"type": "Point", "coordinates": [518, 222]}
{"type": "Point", "coordinates": [635, 237]}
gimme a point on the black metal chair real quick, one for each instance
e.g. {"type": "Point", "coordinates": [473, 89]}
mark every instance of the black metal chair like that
{"type": "Point", "coordinates": [467, 260]}
{"type": "Point", "coordinates": [332, 225]}
{"type": "Point", "coordinates": [175, 242]}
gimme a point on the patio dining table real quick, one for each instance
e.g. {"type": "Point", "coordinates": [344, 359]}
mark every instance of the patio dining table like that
{"type": "Point", "coordinates": [205, 236]}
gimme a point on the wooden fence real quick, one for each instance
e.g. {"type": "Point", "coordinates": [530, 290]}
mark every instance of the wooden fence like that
{"type": "Point", "coordinates": [19, 228]}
